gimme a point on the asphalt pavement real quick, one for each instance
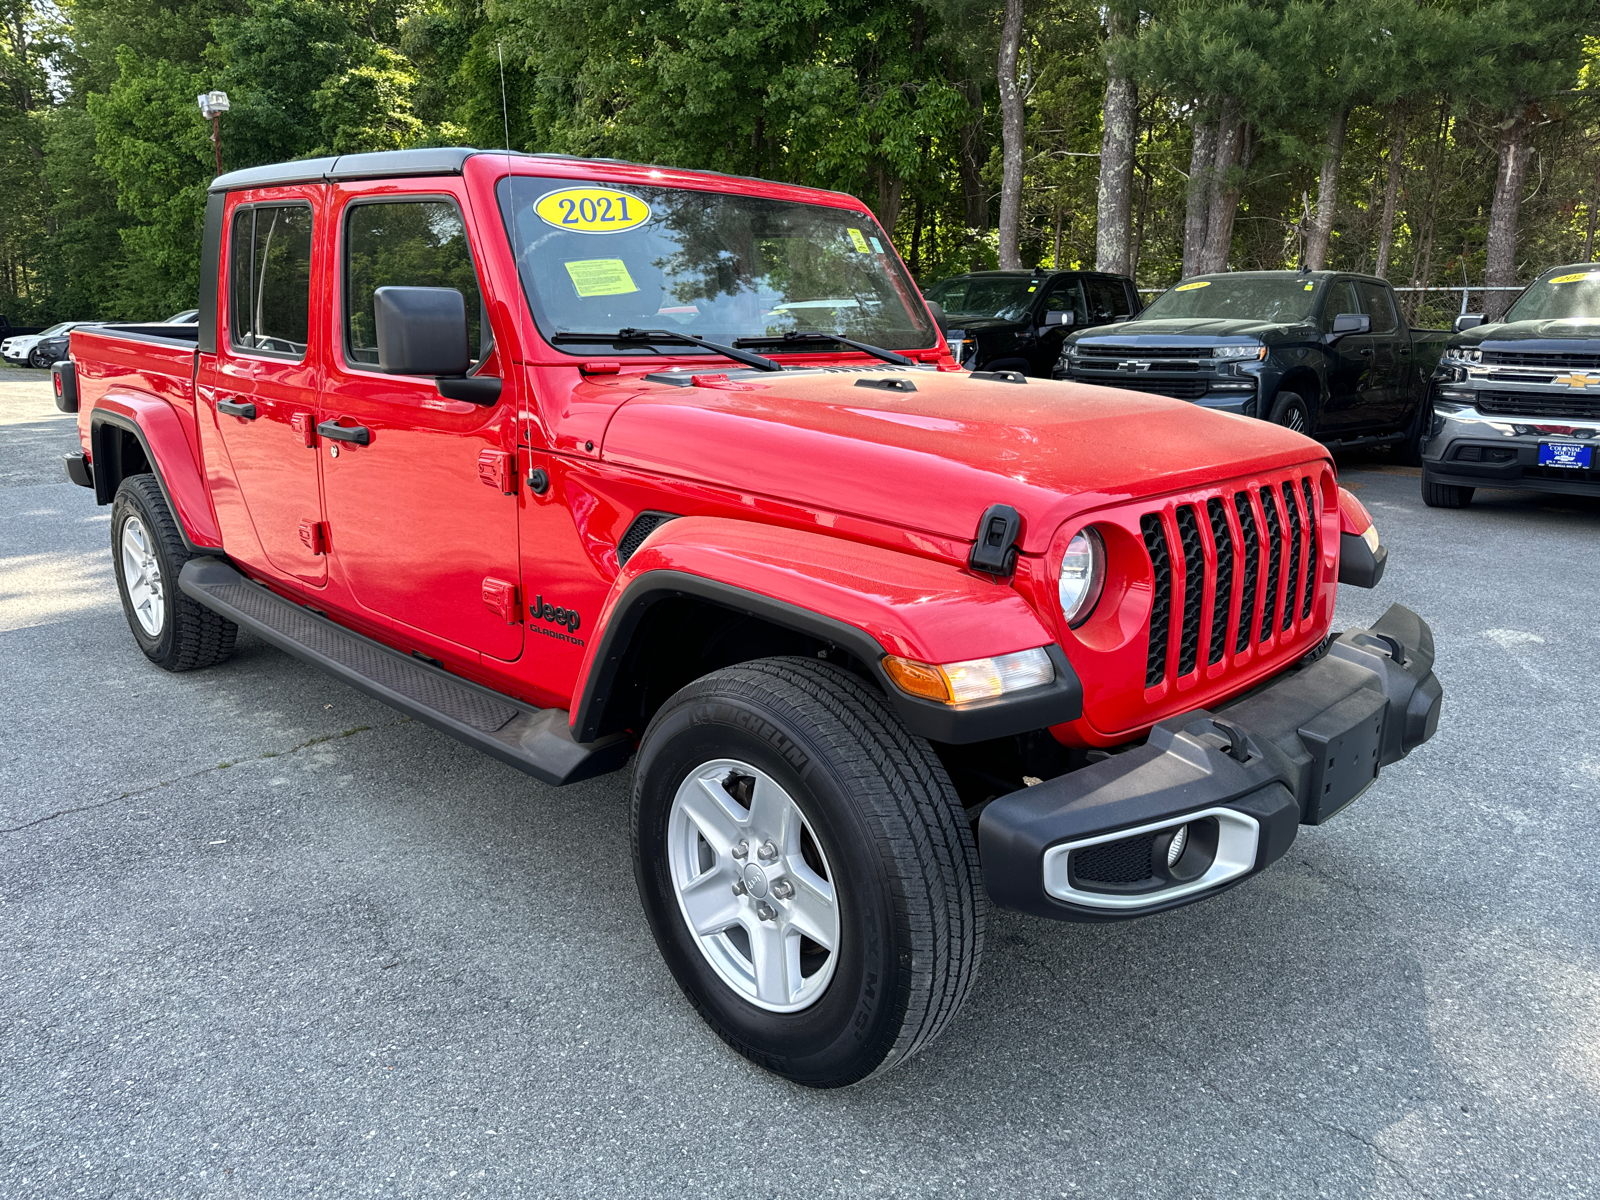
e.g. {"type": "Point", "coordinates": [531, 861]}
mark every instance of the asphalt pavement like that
{"type": "Point", "coordinates": [261, 936]}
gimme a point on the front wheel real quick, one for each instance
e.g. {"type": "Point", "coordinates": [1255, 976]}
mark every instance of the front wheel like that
{"type": "Point", "coordinates": [806, 868]}
{"type": "Point", "coordinates": [1444, 495]}
{"type": "Point", "coordinates": [39, 360]}
{"type": "Point", "coordinates": [1293, 411]}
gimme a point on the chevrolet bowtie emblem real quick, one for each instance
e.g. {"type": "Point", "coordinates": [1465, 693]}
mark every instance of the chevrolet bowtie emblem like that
{"type": "Point", "coordinates": [1578, 379]}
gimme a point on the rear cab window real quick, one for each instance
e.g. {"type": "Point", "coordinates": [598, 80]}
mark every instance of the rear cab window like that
{"type": "Point", "coordinates": [1377, 303]}
{"type": "Point", "coordinates": [269, 279]}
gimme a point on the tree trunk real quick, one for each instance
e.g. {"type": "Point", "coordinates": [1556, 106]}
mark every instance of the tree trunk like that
{"type": "Point", "coordinates": [889, 191]}
{"type": "Point", "coordinates": [1594, 212]}
{"type": "Point", "coordinates": [1011, 130]}
{"type": "Point", "coordinates": [1223, 201]}
{"type": "Point", "coordinates": [1501, 250]}
{"type": "Point", "coordinates": [1114, 223]}
{"type": "Point", "coordinates": [1327, 193]}
{"type": "Point", "coordinates": [1391, 190]}
{"type": "Point", "coordinates": [1196, 214]}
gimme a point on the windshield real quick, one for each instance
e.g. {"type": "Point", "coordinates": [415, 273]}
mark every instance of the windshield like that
{"type": "Point", "coordinates": [981, 296]}
{"type": "Point", "coordinates": [1279, 299]}
{"type": "Point", "coordinates": [1569, 296]}
{"type": "Point", "coordinates": [61, 328]}
{"type": "Point", "coordinates": [597, 258]}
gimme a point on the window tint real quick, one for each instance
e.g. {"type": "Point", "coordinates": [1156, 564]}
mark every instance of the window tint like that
{"type": "Point", "coordinates": [1379, 307]}
{"type": "Point", "coordinates": [1341, 299]}
{"type": "Point", "coordinates": [1107, 300]}
{"type": "Point", "coordinates": [1066, 296]}
{"type": "Point", "coordinates": [411, 243]}
{"type": "Point", "coordinates": [269, 279]}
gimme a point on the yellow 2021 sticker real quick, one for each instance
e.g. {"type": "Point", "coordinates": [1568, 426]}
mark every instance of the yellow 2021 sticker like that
{"type": "Point", "coordinates": [592, 210]}
{"type": "Point", "coordinates": [601, 277]}
{"type": "Point", "coordinates": [859, 240]}
{"type": "Point", "coordinates": [1578, 278]}
{"type": "Point", "coordinates": [1189, 287]}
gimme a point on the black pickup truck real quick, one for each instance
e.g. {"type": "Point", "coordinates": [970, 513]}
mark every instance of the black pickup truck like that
{"type": "Point", "coordinates": [1322, 352]}
{"type": "Point", "coordinates": [1517, 403]}
{"type": "Point", "coordinates": [1017, 320]}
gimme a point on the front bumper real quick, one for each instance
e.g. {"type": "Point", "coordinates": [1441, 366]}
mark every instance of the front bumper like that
{"type": "Point", "coordinates": [1466, 448]}
{"type": "Point", "coordinates": [1093, 845]}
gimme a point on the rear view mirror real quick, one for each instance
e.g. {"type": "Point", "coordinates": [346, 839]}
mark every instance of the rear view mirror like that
{"type": "Point", "coordinates": [1059, 318]}
{"type": "Point", "coordinates": [937, 312]}
{"type": "Point", "coordinates": [1468, 321]}
{"type": "Point", "coordinates": [421, 331]}
{"type": "Point", "coordinates": [1352, 323]}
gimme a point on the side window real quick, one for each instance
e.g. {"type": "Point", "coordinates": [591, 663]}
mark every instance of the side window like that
{"type": "Point", "coordinates": [1107, 300]}
{"type": "Point", "coordinates": [1066, 295]}
{"type": "Point", "coordinates": [405, 243]}
{"type": "Point", "coordinates": [1379, 307]}
{"type": "Point", "coordinates": [1341, 298]}
{"type": "Point", "coordinates": [269, 279]}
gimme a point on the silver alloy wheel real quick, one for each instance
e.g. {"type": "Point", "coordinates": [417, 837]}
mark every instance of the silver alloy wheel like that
{"type": "Point", "coordinates": [753, 885]}
{"type": "Point", "coordinates": [141, 575]}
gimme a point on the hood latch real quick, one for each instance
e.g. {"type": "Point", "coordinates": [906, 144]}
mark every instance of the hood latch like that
{"type": "Point", "coordinates": [995, 550]}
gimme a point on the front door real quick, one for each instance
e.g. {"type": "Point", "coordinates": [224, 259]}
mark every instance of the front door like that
{"type": "Point", "coordinates": [1065, 299]}
{"type": "Point", "coordinates": [422, 516]}
{"type": "Point", "coordinates": [264, 395]}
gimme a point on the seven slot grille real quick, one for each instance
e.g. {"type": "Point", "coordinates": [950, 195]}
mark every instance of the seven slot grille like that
{"type": "Point", "coordinates": [1193, 559]}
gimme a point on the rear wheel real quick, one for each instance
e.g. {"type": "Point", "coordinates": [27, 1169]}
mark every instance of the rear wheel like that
{"type": "Point", "coordinates": [806, 868]}
{"type": "Point", "coordinates": [147, 551]}
{"type": "Point", "coordinates": [1444, 495]}
{"type": "Point", "coordinates": [1293, 411]}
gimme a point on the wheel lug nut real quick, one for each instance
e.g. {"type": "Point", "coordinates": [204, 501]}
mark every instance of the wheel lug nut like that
{"type": "Point", "coordinates": [783, 889]}
{"type": "Point", "coordinates": [766, 912]}
{"type": "Point", "coordinates": [738, 887]}
{"type": "Point", "coordinates": [742, 849]}
{"type": "Point", "coordinates": [768, 852]}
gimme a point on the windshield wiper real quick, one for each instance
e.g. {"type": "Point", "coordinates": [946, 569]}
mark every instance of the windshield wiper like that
{"type": "Point", "coordinates": [888, 356]}
{"type": "Point", "coordinates": [669, 337]}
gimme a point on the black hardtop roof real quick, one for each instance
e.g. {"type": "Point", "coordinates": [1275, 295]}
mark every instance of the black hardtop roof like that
{"type": "Point", "coordinates": [396, 164]}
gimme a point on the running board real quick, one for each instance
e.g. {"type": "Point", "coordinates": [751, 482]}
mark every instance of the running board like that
{"type": "Point", "coordinates": [535, 740]}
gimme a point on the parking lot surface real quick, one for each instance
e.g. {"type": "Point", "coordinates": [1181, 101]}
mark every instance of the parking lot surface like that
{"type": "Point", "coordinates": [262, 936]}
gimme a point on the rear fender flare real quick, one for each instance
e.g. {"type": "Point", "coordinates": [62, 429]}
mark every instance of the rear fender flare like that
{"type": "Point", "coordinates": [867, 600]}
{"type": "Point", "coordinates": [159, 433]}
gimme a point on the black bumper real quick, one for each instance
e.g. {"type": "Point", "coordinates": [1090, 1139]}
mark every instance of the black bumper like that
{"type": "Point", "coordinates": [1238, 781]}
{"type": "Point", "coordinates": [79, 469]}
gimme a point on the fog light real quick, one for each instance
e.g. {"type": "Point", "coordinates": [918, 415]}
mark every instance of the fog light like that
{"type": "Point", "coordinates": [1175, 850]}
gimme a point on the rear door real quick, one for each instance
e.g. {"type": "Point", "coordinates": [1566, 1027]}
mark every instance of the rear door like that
{"type": "Point", "coordinates": [422, 516]}
{"type": "Point", "coordinates": [263, 397]}
{"type": "Point", "coordinates": [1391, 357]}
{"type": "Point", "coordinates": [1349, 405]}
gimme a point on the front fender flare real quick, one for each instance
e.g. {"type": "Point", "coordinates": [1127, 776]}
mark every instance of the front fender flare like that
{"type": "Point", "coordinates": [865, 599]}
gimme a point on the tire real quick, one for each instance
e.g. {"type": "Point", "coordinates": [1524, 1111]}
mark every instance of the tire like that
{"type": "Point", "coordinates": [37, 360]}
{"type": "Point", "coordinates": [879, 825]}
{"type": "Point", "coordinates": [1293, 411]}
{"type": "Point", "coordinates": [174, 632]}
{"type": "Point", "coordinates": [1444, 495]}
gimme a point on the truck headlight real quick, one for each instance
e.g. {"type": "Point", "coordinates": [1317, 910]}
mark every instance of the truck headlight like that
{"type": "Point", "coordinates": [1237, 352]}
{"type": "Point", "coordinates": [1463, 355]}
{"type": "Point", "coordinates": [1083, 576]}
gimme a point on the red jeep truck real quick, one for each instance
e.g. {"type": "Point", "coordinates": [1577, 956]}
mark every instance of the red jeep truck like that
{"type": "Point", "coordinates": [579, 461]}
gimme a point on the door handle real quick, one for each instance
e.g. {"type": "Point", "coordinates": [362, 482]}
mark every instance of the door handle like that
{"type": "Point", "coordinates": [234, 409]}
{"type": "Point", "coordinates": [1366, 352]}
{"type": "Point", "coordinates": [359, 434]}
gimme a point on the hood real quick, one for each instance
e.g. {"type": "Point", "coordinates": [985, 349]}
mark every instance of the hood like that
{"type": "Point", "coordinates": [979, 325]}
{"type": "Point", "coordinates": [934, 459]}
{"type": "Point", "coordinates": [1179, 331]}
{"type": "Point", "coordinates": [1559, 334]}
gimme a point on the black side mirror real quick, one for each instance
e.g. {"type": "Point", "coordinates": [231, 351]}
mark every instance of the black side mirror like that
{"type": "Point", "coordinates": [421, 331]}
{"type": "Point", "coordinates": [1468, 321]}
{"type": "Point", "coordinates": [1351, 323]}
{"type": "Point", "coordinates": [936, 310]}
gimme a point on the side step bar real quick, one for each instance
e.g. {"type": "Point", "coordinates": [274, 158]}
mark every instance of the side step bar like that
{"type": "Point", "coordinates": [535, 740]}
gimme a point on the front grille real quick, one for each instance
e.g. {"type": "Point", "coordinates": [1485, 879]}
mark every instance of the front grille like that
{"type": "Point", "coordinates": [1537, 404]}
{"type": "Point", "coordinates": [1178, 389]}
{"type": "Point", "coordinates": [1155, 542]}
{"type": "Point", "coordinates": [1277, 530]}
{"type": "Point", "coordinates": [1120, 352]}
{"type": "Point", "coordinates": [1124, 861]}
{"type": "Point", "coordinates": [1554, 362]}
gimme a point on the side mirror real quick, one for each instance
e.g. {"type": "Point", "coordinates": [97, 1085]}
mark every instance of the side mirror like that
{"type": "Point", "coordinates": [1059, 318]}
{"type": "Point", "coordinates": [421, 331]}
{"type": "Point", "coordinates": [936, 311]}
{"type": "Point", "coordinates": [1351, 323]}
{"type": "Point", "coordinates": [1468, 321]}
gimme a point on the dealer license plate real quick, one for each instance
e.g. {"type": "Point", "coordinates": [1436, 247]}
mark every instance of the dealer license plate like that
{"type": "Point", "coordinates": [1566, 454]}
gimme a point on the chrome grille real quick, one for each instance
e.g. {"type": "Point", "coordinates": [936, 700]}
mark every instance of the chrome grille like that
{"type": "Point", "coordinates": [1555, 362]}
{"type": "Point", "coordinates": [1537, 404]}
{"type": "Point", "coordinates": [1090, 350]}
{"type": "Point", "coordinates": [1178, 389]}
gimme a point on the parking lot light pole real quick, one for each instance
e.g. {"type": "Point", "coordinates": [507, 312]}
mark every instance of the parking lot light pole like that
{"type": "Point", "coordinates": [213, 105]}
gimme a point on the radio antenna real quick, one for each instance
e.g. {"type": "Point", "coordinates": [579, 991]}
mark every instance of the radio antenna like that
{"type": "Point", "coordinates": [505, 111]}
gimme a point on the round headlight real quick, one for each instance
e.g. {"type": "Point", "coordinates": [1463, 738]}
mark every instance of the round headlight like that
{"type": "Point", "coordinates": [1083, 576]}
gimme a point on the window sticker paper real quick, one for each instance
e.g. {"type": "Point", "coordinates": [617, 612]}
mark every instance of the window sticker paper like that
{"type": "Point", "coordinates": [601, 277]}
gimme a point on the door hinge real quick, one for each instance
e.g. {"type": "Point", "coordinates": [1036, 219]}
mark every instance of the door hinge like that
{"type": "Point", "coordinates": [498, 469]}
{"type": "Point", "coordinates": [501, 597]}
{"type": "Point", "coordinates": [305, 425]}
{"type": "Point", "coordinates": [315, 536]}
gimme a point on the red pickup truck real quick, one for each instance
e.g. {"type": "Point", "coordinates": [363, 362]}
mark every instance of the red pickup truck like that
{"type": "Point", "coordinates": [580, 460]}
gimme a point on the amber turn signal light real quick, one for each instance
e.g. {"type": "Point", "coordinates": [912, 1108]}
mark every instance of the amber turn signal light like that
{"type": "Point", "coordinates": [974, 679]}
{"type": "Point", "coordinates": [916, 678]}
